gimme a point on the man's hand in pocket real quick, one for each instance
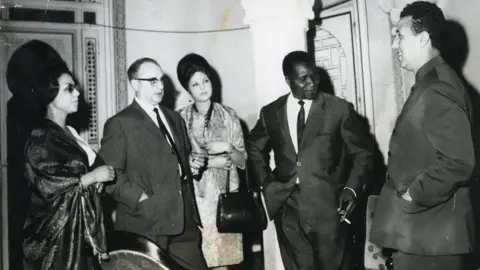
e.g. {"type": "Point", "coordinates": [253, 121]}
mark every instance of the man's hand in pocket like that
{"type": "Point", "coordinates": [143, 197]}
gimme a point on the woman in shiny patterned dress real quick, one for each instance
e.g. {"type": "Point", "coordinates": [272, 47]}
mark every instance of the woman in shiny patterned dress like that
{"type": "Point", "coordinates": [217, 149]}
{"type": "Point", "coordinates": [64, 220]}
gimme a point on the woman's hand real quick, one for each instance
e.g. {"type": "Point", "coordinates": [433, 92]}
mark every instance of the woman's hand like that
{"type": "Point", "coordinates": [220, 161]}
{"type": "Point", "coordinates": [98, 175]}
{"type": "Point", "coordinates": [103, 173]}
{"type": "Point", "coordinates": [218, 147]}
{"type": "Point", "coordinates": [197, 160]}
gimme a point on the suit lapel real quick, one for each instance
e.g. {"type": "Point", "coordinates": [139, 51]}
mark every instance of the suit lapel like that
{"type": "Point", "coordinates": [314, 121]}
{"type": "Point", "coordinates": [173, 127]}
{"type": "Point", "coordinates": [148, 122]}
{"type": "Point", "coordinates": [282, 122]}
{"type": "Point", "coordinates": [178, 139]}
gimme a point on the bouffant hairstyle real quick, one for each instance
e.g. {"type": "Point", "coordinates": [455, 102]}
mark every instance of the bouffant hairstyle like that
{"type": "Point", "coordinates": [189, 65]}
{"type": "Point", "coordinates": [46, 87]}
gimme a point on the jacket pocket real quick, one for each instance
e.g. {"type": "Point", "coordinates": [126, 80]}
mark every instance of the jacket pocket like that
{"type": "Point", "coordinates": [146, 209]}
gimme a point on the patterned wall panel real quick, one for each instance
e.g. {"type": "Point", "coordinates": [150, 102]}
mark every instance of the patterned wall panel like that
{"type": "Point", "coordinates": [334, 50]}
{"type": "Point", "coordinates": [331, 56]}
{"type": "Point", "coordinates": [120, 54]}
{"type": "Point", "coordinates": [91, 87]}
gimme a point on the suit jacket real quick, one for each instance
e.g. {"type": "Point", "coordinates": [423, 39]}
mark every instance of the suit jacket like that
{"type": "Point", "coordinates": [432, 156]}
{"type": "Point", "coordinates": [335, 152]}
{"type": "Point", "coordinates": [145, 162]}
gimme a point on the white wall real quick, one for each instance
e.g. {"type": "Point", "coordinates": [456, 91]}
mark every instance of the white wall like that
{"type": "Point", "coordinates": [466, 12]}
{"type": "Point", "coordinates": [230, 53]}
{"type": "Point", "coordinates": [382, 73]}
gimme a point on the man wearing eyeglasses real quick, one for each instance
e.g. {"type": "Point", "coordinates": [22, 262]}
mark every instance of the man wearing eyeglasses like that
{"type": "Point", "coordinates": [148, 146]}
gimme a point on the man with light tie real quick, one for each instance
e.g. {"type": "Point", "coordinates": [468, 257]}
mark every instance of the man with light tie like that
{"type": "Point", "coordinates": [323, 158]}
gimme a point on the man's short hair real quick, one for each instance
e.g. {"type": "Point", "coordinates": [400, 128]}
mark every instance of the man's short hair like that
{"type": "Point", "coordinates": [293, 58]}
{"type": "Point", "coordinates": [132, 71]}
{"type": "Point", "coordinates": [426, 16]}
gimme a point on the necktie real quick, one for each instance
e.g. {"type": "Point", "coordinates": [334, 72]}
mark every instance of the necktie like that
{"type": "Point", "coordinates": [300, 122]}
{"type": "Point", "coordinates": [169, 137]}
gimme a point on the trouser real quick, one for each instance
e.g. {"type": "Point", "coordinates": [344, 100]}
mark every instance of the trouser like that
{"type": "Point", "coordinates": [304, 247]}
{"type": "Point", "coordinates": [185, 249]}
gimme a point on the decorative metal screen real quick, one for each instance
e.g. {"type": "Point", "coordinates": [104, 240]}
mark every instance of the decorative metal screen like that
{"type": "Point", "coordinates": [91, 87]}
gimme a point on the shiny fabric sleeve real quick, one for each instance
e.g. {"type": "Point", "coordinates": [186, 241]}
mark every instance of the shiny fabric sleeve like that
{"type": "Point", "coordinates": [63, 215]}
{"type": "Point", "coordinates": [236, 135]}
{"type": "Point", "coordinates": [50, 179]}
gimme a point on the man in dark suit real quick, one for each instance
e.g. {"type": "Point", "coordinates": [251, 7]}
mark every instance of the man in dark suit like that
{"type": "Point", "coordinates": [323, 158]}
{"type": "Point", "coordinates": [148, 146]}
{"type": "Point", "coordinates": [424, 210]}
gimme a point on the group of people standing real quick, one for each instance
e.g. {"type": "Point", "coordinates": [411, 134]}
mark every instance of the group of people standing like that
{"type": "Point", "coordinates": [166, 169]}
{"type": "Point", "coordinates": [169, 168]}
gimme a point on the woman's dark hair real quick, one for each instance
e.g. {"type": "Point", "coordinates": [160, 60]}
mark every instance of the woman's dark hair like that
{"type": "Point", "coordinates": [46, 87]}
{"type": "Point", "coordinates": [189, 65]}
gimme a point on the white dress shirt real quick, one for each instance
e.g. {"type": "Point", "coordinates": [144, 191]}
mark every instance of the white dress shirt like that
{"type": "Point", "coordinates": [292, 116]}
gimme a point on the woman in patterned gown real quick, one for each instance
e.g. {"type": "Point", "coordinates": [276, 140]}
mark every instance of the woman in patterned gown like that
{"type": "Point", "coordinates": [64, 224]}
{"type": "Point", "coordinates": [217, 149]}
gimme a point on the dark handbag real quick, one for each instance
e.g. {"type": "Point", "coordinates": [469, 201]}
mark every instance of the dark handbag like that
{"type": "Point", "coordinates": [242, 211]}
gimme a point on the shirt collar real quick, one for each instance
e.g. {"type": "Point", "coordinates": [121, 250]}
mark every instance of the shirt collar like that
{"type": "Point", "coordinates": [427, 67]}
{"type": "Point", "coordinates": [145, 105]}
{"type": "Point", "coordinates": [296, 100]}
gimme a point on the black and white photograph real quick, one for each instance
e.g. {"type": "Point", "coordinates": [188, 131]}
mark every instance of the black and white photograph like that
{"type": "Point", "coordinates": [239, 135]}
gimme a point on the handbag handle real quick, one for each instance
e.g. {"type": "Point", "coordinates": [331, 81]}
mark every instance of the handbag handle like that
{"type": "Point", "coordinates": [227, 184]}
{"type": "Point", "coordinates": [246, 179]}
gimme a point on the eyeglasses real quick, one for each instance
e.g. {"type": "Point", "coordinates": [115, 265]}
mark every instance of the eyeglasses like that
{"type": "Point", "coordinates": [153, 81]}
{"type": "Point", "coordinates": [70, 87]}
